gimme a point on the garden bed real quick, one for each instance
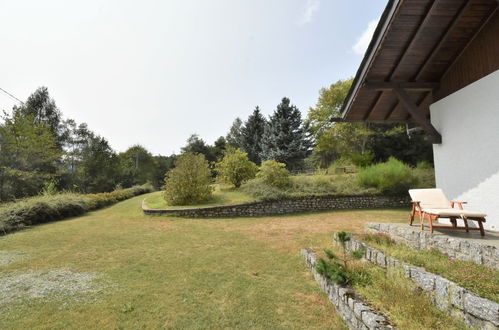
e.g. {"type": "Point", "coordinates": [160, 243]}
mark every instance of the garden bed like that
{"type": "Point", "coordinates": [447, 295]}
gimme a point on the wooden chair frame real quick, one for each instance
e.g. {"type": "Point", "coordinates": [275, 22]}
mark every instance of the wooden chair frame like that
{"type": "Point", "coordinates": [416, 208]}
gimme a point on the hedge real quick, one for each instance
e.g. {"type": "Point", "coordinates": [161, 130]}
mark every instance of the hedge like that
{"type": "Point", "coordinates": [40, 209]}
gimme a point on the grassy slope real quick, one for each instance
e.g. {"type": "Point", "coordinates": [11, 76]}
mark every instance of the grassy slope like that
{"type": "Point", "coordinates": [222, 195]}
{"type": "Point", "coordinates": [183, 273]}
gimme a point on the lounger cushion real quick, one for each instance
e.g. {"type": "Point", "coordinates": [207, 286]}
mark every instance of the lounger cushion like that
{"type": "Point", "coordinates": [430, 198]}
{"type": "Point", "coordinates": [446, 212]}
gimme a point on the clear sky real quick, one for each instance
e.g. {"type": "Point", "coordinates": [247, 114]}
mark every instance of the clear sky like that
{"type": "Point", "coordinates": [154, 72]}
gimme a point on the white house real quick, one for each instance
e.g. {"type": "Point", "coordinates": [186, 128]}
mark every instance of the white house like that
{"type": "Point", "coordinates": [435, 63]}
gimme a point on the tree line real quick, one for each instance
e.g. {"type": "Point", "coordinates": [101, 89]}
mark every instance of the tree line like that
{"type": "Point", "coordinates": [41, 150]}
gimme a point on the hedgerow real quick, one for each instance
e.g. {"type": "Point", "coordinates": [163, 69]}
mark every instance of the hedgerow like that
{"type": "Point", "coordinates": [45, 208]}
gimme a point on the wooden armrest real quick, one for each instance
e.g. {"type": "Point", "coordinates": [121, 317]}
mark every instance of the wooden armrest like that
{"type": "Point", "coordinates": [459, 204]}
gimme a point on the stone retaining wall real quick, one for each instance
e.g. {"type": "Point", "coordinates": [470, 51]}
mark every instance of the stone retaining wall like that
{"type": "Point", "coordinates": [291, 205]}
{"type": "Point", "coordinates": [354, 312]}
{"type": "Point", "coordinates": [447, 296]}
{"type": "Point", "coordinates": [480, 253]}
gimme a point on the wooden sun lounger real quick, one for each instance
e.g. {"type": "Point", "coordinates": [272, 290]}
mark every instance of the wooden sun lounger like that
{"type": "Point", "coordinates": [432, 204]}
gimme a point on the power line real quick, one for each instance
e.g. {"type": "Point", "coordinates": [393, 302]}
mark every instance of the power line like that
{"type": "Point", "coordinates": [12, 96]}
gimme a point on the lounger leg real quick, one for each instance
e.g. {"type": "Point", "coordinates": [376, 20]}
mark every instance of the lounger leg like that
{"type": "Point", "coordinates": [466, 225]}
{"type": "Point", "coordinates": [454, 222]}
{"type": "Point", "coordinates": [431, 223]}
{"type": "Point", "coordinates": [480, 225]}
{"type": "Point", "coordinates": [421, 220]}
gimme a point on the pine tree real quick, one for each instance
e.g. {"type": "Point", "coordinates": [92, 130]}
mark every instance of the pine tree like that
{"type": "Point", "coordinates": [285, 139]}
{"type": "Point", "coordinates": [251, 135]}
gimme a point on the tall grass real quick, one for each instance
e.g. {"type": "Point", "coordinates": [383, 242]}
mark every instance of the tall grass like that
{"type": "Point", "coordinates": [391, 177]}
{"type": "Point", "coordinates": [45, 208]}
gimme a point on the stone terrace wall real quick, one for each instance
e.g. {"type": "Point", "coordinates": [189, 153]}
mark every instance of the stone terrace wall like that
{"type": "Point", "coordinates": [447, 296]}
{"type": "Point", "coordinates": [291, 205]}
{"type": "Point", "coordinates": [354, 312]}
{"type": "Point", "coordinates": [458, 248]}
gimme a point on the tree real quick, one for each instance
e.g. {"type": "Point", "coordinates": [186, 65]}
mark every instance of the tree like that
{"type": "Point", "coordinates": [138, 166]}
{"type": "Point", "coordinates": [362, 143]}
{"type": "Point", "coordinates": [285, 138]}
{"type": "Point", "coordinates": [197, 145]}
{"type": "Point", "coordinates": [43, 110]}
{"type": "Point", "coordinates": [189, 182]}
{"type": "Point", "coordinates": [219, 147]}
{"type": "Point", "coordinates": [251, 135]}
{"type": "Point", "coordinates": [234, 137]}
{"type": "Point", "coordinates": [235, 167]}
{"type": "Point", "coordinates": [28, 155]}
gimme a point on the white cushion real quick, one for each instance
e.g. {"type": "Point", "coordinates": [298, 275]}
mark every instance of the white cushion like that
{"type": "Point", "coordinates": [430, 198]}
{"type": "Point", "coordinates": [455, 213]}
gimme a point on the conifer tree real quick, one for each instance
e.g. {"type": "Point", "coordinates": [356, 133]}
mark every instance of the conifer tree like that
{"type": "Point", "coordinates": [234, 137]}
{"type": "Point", "coordinates": [285, 138]}
{"type": "Point", "coordinates": [251, 135]}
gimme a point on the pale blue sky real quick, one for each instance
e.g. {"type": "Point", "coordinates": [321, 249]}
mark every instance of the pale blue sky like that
{"type": "Point", "coordinates": [154, 72]}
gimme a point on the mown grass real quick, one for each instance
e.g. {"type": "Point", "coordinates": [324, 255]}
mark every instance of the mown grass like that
{"type": "Point", "coordinates": [180, 273]}
{"type": "Point", "coordinates": [222, 195]}
{"type": "Point", "coordinates": [479, 279]}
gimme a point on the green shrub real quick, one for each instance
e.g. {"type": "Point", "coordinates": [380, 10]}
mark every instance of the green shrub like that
{"type": "Point", "coordinates": [274, 174]}
{"type": "Point", "coordinates": [262, 191]}
{"type": "Point", "coordinates": [45, 208]}
{"type": "Point", "coordinates": [235, 167]}
{"type": "Point", "coordinates": [423, 165]}
{"type": "Point", "coordinates": [392, 177]}
{"type": "Point", "coordinates": [189, 182]}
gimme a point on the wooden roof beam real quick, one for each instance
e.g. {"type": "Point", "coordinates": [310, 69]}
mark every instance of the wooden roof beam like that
{"type": "Point", "coordinates": [441, 41]}
{"type": "Point", "coordinates": [417, 115]}
{"type": "Point", "coordinates": [408, 85]}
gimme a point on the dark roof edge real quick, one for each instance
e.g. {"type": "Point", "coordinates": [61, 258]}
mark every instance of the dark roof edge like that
{"type": "Point", "coordinates": [379, 33]}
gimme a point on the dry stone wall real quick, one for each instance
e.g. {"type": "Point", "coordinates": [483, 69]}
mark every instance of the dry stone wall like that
{"type": "Point", "coordinates": [447, 296]}
{"type": "Point", "coordinates": [480, 253]}
{"type": "Point", "coordinates": [287, 206]}
{"type": "Point", "coordinates": [355, 313]}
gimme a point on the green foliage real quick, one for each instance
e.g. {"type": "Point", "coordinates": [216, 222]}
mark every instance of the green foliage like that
{"type": "Point", "coordinates": [392, 177]}
{"type": "Point", "coordinates": [189, 182]}
{"type": "Point", "coordinates": [50, 187]}
{"type": "Point", "coordinates": [235, 167]}
{"type": "Point", "coordinates": [251, 135]}
{"type": "Point", "coordinates": [333, 271]}
{"type": "Point", "coordinates": [274, 174]}
{"type": "Point", "coordinates": [286, 139]}
{"type": "Point", "coordinates": [359, 254]}
{"type": "Point", "coordinates": [31, 211]}
{"type": "Point", "coordinates": [423, 165]}
{"type": "Point", "coordinates": [235, 137]}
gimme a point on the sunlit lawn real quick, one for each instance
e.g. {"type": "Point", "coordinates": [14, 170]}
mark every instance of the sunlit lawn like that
{"type": "Point", "coordinates": [222, 195]}
{"type": "Point", "coordinates": [181, 273]}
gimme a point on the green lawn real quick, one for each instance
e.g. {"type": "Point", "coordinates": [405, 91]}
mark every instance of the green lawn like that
{"type": "Point", "coordinates": [222, 195]}
{"type": "Point", "coordinates": [160, 272]}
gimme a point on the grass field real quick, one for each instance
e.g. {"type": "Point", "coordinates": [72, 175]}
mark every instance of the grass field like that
{"type": "Point", "coordinates": [222, 195]}
{"type": "Point", "coordinates": [117, 268]}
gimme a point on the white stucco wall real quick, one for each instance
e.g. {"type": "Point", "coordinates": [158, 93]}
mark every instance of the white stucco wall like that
{"type": "Point", "coordinates": [467, 161]}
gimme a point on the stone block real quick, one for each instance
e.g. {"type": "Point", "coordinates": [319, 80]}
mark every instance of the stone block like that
{"type": "Point", "coordinates": [482, 308]}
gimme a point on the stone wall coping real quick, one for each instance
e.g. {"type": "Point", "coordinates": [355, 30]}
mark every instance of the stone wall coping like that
{"type": "Point", "coordinates": [447, 296]}
{"type": "Point", "coordinates": [355, 312]}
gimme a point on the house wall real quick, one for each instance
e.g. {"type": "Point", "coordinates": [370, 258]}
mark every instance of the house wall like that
{"type": "Point", "coordinates": [467, 161]}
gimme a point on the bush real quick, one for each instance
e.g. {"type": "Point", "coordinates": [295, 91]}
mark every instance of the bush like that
{"type": "Point", "coordinates": [235, 167]}
{"type": "Point", "coordinates": [274, 174]}
{"type": "Point", "coordinates": [45, 208]}
{"type": "Point", "coordinates": [392, 177]}
{"type": "Point", "coordinates": [189, 182]}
